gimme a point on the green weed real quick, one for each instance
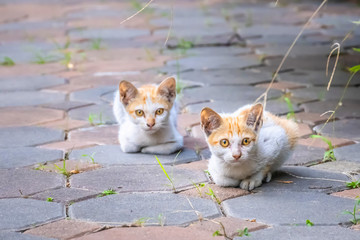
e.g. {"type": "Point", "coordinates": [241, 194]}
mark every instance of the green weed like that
{"type": "Point", "coordinates": [329, 155]}
{"type": "Point", "coordinates": [7, 62]}
{"type": "Point", "coordinates": [356, 218]}
{"type": "Point", "coordinates": [107, 192]}
{"type": "Point", "coordinates": [65, 46]}
{"type": "Point", "coordinates": [184, 44]}
{"type": "Point", "coordinates": [49, 199]}
{"type": "Point", "coordinates": [217, 233]}
{"type": "Point", "coordinates": [62, 169]}
{"type": "Point", "coordinates": [40, 166]}
{"type": "Point", "coordinates": [166, 174]}
{"type": "Point", "coordinates": [198, 187]}
{"type": "Point", "coordinates": [141, 221]}
{"type": "Point", "coordinates": [43, 58]}
{"type": "Point", "coordinates": [149, 55]}
{"type": "Point", "coordinates": [213, 196]}
{"type": "Point", "coordinates": [291, 114]}
{"type": "Point", "coordinates": [353, 184]}
{"type": "Point", "coordinates": [90, 156]}
{"type": "Point", "coordinates": [138, 6]}
{"type": "Point", "coordinates": [95, 117]}
{"type": "Point", "coordinates": [96, 44]}
{"type": "Point", "coordinates": [161, 219]}
{"type": "Point", "coordinates": [309, 223]}
{"type": "Point", "coordinates": [244, 232]}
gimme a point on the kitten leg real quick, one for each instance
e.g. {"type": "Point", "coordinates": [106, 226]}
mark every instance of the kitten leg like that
{"type": "Point", "coordinates": [268, 177]}
{"type": "Point", "coordinates": [252, 182]}
{"type": "Point", "coordinates": [129, 147]}
{"type": "Point", "coordinates": [165, 148]}
{"type": "Point", "coordinates": [223, 181]}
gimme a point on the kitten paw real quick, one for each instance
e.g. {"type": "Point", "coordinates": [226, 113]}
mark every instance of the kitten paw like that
{"type": "Point", "coordinates": [268, 177]}
{"type": "Point", "coordinates": [129, 148]}
{"type": "Point", "coordinates": [252, 182]}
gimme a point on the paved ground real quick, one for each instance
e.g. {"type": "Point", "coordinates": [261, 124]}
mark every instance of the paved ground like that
{"type": "Point", "coordinates": [55, 104]}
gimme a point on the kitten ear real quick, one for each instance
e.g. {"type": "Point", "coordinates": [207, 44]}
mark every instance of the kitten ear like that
{"type": "Point", "coordinates": [210, 120]}
{"type": "Point", "coordinates": [127, 92]}
{"type": "Point", "coordinates": [255, 117]}
{"type": "Point", "coordinates": [167, 89]}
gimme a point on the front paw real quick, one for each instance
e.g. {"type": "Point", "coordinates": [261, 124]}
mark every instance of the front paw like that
{"type": "Point", "coordinates": [129, 148]}
{"type": "Point", "coordinates": [251, 183]}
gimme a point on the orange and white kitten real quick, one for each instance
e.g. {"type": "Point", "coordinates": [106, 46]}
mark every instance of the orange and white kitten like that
{"type": "Point", "coordinates": [147, 118]}
{"type": "Point", "coordinates": [247, 145]}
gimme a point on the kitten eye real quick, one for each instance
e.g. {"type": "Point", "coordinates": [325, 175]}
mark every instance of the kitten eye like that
{"type": "Point", "coordinates": [139, 113]}
{"type": "Point", "coordinates": [224, 142]}
{"type": "Point", "coordinates": [245, 141]}
{"type": "Point", "coordinates": [159, 111]}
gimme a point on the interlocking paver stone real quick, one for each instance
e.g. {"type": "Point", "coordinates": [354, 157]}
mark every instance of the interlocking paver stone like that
{"type": "Point", "coordinates": [304, 155]}
{"type": "Point", "coordinates": [348, 153]}
{"type": "Point", "coordinates": [215, 62]}
{"type": "Point", "coordinates": [67, 105]}
{"type": "Point", "coordinates": [340, 167]}
{"type": "Point", "coordinates": [29, 98]}
{"type": "Point", "coordinates": [65, 195]}
{"type": "Point", "coordinates": [303, 179]}
{"type": "Point", "coordinates": [24, 116]}
{"type": "Point", "coordinates": [23, 182]}
{"type": "Point", "coordinates": [112, 155]}
{"type": "Point", "coordinates": [26, 156]}
{"type": "Point", "coordinates": [102, 135]}
{"type": "Point", "coordinates": [304, 232]}
{"type": "Point", "coordinates": [350, 193]}
{"type": "Point", "coordinates": [29, 83]}
{"type": "Point", "coordinates": [347, 109]}
{"type": "Point", "coordinates": [223, 77]}
{"type": "Point", "coordinates": [126, 208]}
{"type": "Point", "coordinates": [20, 236]}
{"type": "Point", "coordinates": [92, 95]}
{"type": "Point", "coordinates": [312, 207]}
{"type": "Point", "coordinates": [101, 114]}
{"type": "Point", "coordinates": [109, 33]}
{"type": "Point", "coordinates": [347, 128]}
{"type": "Point", "coordinates": [136, 179]}
{"type": "Point", "coordinates": [320, 93]}
{"type": "Point", "coordinates": [28, 136]}
{"type": "Point", "coordinates": [21, 213]}
{"type": "Point", "coordinates": [63, 229]}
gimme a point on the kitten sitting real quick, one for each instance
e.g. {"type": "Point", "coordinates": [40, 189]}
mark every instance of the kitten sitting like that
{"type": "Point", "coordinates": [247, 145]}
{"type": "Point", "coordinates": [147, 118]}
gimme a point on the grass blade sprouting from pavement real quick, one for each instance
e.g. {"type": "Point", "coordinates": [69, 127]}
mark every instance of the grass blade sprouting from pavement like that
{"type": "Point", "coordinates": [166, 174]}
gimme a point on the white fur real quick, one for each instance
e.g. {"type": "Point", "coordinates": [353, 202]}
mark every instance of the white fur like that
{"type": "Point", "coordinates": [135, 136]}
{"type": "Point", "coordinates": [258, 159]}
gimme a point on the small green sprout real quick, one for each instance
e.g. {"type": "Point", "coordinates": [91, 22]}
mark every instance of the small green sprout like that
{"type": "Point", "coordinates": [244, 232]}
{"type": "Point", "coordinates": [184, 44]}
{"type": "Point", "coordinates": [329, 155]}
{"type": "Point", "coordinates": [107, 192]}
{"type": "Point", "coordinates": [353, 184]}
{"type": "Point", "coordinates": [90, 156]}
{"type": "Point", "coordinates": [63, 170]}
{"type": "Point", "coordinates": [141, 221]}
{"type": "Point", "coordinates": [309, 223]}
{"type": "Point", "coordinates": [149, 55]}
{"type": "Point", "coordinates": [198, 186]}
{"type": "Point", "coordinates": [356, 218]}
{"type": "Point", "coordinates": [95, 117]}
{"type": "Point", "coordinates": [7, 62]}
{"type": "Point", "coordinates": [166, 174]}
{"type": "Point", "coordinates": [49, 199]}
{"type": "Point", "coordinates": [290, 106]}
{"type": "Point", "coordinates": [161, 219]}
{"type": "Point", "coordinates": [216, 233]}
{"type": "Point", "coordinates": [42, 58]}
{"type": "Point", "coordinates": [213, 196]}
{"type": "Point", "coordinates": [96, 44]}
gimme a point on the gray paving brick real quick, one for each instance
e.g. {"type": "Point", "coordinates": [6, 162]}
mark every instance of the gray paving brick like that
{"type": "Point", "coordinates": [348, 153]}
{"type": "Point", "coordinates": [67, 105]}
{"type": "Point", "coordinates": [127, 208]}
{"type": "Point", "coordinates": [216, 62]}
{"type": "Point", "coordinates": [304, 179]}
{"type": "Point", "coordinates": [65, 195]}
{"type": "Point", "coordinates": [29, 98]}
{"type": "Point", "coordinates": [136, 179]}
{"type": "Point", "coordinates": [349, 108]}
{"type": "Point", "coordinates": [92, 95]}
{"type": "Point", "coordinates": [108, 33]}
{"type": "Point", "coordinates": [28, 136]}
{"type": "Point", "coordinates": [102, 113]}
{"type": "Point", "coordinates": [112, 155]}
{"type": "Point", "coordinates": [287, 208]}
{"type": "Point", "coordinates": [26, 156]}
{"type": "Point", "coordinates": [304, 155]}
{"type": "Point", "coordinates": [20, 213]}
{"type": "Point", "coordinates": [226, 77]}
{"type": "Point", "coordinates": [29, 82]}
{"type": "Point", "coordinates": [23, 182]}
{"type": "Point", "coordinates": [347, 128]}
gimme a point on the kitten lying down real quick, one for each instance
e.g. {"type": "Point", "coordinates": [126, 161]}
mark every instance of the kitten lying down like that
{"type": "Point", "coordinates": [147, 118]}
{"type": "Point", "coordinates": [247, 145]}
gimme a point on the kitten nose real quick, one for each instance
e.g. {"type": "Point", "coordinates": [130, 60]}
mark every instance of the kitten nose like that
{"type": "Point", "coordinates": [237, 156]}
{"type": "Point", "coordinates": [150, 125]}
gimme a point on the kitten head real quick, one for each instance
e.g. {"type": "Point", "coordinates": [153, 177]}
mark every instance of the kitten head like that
{"type": "Point", "coordinates": [232, 137]}
{"type": "Point", "coordinates": [148, 106]}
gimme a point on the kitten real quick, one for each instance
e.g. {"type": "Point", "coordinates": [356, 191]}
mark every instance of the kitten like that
{"type": "Point", "coordinates": [147, 118]}
{"type": "Point", "coordinates": [247, 145]}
